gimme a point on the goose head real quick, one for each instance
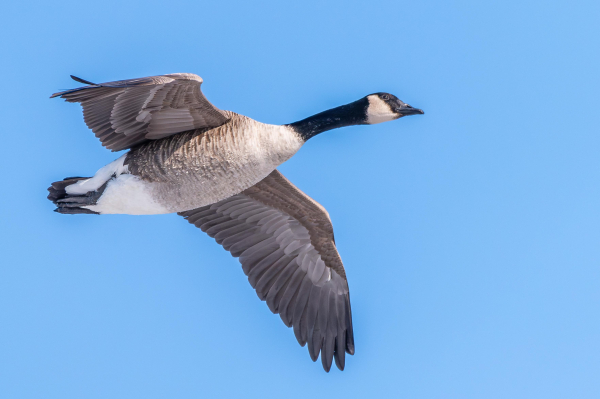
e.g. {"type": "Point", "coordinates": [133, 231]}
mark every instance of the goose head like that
{"type": "Point", "coordinates": [384, 107]}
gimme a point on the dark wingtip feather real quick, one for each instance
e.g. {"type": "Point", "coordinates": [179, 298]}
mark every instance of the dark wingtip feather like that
{"type": "Point", "coordinates": [350, 346]}
{"type": "Point", "coordinates": [75, 78]}
{"type": "Point", "coordinates": [326, 360]}
{"type": "Point", "coordinates": [87, 82]}
{"type": "Point", "coordinates": [340, 354]}
{"type": "Point", "coordinates": [61, 93]}
{"type": "Point", "coordinates": [349, 329]}
{"type": "Point", "coordinates": [340, 364]}
{"type": "Point", "coordinates": [327, 352]}
{"type": "Point", "coordinates": [312, 351]}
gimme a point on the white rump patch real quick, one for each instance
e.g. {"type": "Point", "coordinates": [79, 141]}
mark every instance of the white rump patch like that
{"type": "Point", "coordinates": [116, 167]}
{"type": "Point", "coordinates": [127, 194]}
{"type": "Point", "coordinates": [379, 111]}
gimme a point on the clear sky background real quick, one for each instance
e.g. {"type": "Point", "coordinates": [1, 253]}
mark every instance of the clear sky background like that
{"type": "Point", "coordinates": [470, 235]}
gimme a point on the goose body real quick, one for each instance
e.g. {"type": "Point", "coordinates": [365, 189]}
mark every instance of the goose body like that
{"type": "Point", "coordinates": [218, 170]}
{"type": "Point", "coordinates": [191, 169]}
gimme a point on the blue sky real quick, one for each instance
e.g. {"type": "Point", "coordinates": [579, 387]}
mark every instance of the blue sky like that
{"type": "Point", "coordinates": [470, 235]}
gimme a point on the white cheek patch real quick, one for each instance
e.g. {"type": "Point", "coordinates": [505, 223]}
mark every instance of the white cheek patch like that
{"type": "Point", "coordinates": [379, 111]}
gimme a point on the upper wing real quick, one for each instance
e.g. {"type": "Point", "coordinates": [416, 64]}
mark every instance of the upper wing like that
{"type": "Point", "coordinates": [125, 113]}
{"type": "Point", "coordinates": [284, 240]}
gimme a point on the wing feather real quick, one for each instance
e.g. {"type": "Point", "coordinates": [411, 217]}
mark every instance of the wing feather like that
{"type": "Point", "coordinates": [284, 241]}
{"type": "Point", "coordinates": [127, 113]}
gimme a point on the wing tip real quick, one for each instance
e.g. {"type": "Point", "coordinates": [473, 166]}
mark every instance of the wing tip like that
{"type": "Point", "coordinates": [350, 348]}
{"type": "Point", "coordinates": [185, 76]}
{"type": "Point", "coordinates": [75, 78]}
{"type": "Point", "coordinates": [62, 93]}
{"type": "Point", "coordinates": [87, 82]}
{"type": "Point", "coordinates": [340, 364]}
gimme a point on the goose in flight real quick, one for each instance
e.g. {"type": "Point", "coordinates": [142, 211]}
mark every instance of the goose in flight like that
{"type": "Point", "coordinates": [217, 169]}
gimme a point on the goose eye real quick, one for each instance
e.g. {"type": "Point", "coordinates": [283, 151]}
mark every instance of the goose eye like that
{"type": "Point", "coordinates": [385, 97]}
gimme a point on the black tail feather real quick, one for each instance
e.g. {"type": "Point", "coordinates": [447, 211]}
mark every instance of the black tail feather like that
{"type": "Point", "coordinates": [57, 189]}
{"type": "Point", "coordinates": [71, 204]}
{"type": "Point", "coordinates": [74, 211]}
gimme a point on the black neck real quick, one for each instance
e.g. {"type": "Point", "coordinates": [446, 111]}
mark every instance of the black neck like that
{"type": "Point", "coordinates": [346, 115]}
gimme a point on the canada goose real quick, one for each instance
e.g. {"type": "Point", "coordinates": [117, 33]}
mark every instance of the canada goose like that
{"type": "Point", "coordinates": [218, 170]}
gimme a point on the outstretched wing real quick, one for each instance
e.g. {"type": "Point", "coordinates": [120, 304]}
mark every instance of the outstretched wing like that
{"type": "Point", "coordinates": [125, 113]}
{"type": "Point", "coordinates": [284, 241]}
